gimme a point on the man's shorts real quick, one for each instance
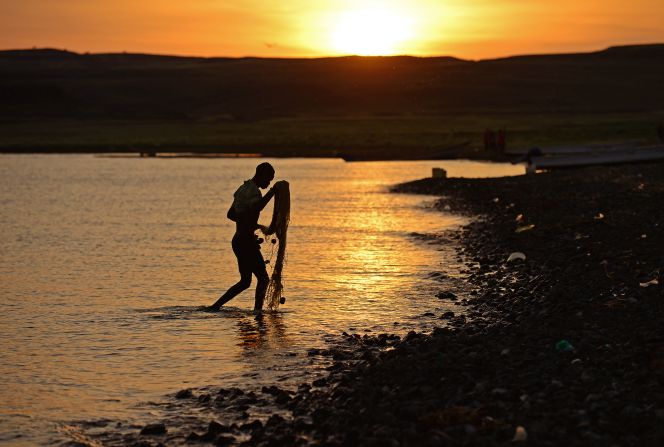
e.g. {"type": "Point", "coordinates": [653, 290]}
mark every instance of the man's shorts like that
{"type": "Point", "coordinates": [249, 257]}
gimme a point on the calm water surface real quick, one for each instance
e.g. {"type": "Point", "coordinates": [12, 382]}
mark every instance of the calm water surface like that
{"type": "Point", "coordinates": [104, 262]}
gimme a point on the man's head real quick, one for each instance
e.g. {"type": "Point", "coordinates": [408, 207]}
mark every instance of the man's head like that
{"type": "Point", "coordinates": [264, 175]}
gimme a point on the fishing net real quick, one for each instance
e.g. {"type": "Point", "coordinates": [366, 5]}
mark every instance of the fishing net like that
{"type": "Point", "coordinates": [278, 227]}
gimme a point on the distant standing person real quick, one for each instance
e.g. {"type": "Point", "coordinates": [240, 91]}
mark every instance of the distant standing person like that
{"type": "Point", "coordinates": [501, 140]}
{"type": "Point", "coordinates": [660, 132]}
{"type": "Point", "coordinates": [248, 202]}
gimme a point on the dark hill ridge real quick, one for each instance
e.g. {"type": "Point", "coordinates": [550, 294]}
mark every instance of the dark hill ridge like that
{"type": "Point", "coordinates": [52, 83]}
{"type": "Point", "coordinates": [53, 53]}
{"type": "Point", "coordinates": [649, 51]}
{"type": "Point", "coordinates": [628, 51]}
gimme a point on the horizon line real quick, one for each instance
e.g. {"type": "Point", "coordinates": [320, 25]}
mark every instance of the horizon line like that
{"type": "Point", "coordinates": [432, 56]}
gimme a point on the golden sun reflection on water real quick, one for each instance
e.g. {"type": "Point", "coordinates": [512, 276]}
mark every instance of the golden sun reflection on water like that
{"type": "Point", "coordinates": [260, 331]}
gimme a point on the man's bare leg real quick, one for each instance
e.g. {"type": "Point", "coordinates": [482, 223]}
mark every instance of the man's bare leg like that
{"type": "Point", "coordinates": [261, 289]}
{"type": "Point", "coordinates": [235, 290]}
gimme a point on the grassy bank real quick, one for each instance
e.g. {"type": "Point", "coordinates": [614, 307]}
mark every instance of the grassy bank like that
{"type": "Point", "coordinates": [326, 136]}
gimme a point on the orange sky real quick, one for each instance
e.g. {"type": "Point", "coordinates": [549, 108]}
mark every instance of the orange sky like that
{"type": "Point", "coordinates": [464, 28]}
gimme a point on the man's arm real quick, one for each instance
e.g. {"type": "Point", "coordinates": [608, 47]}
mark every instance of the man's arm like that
{"type": "Point", "coordinates": [259, 205]}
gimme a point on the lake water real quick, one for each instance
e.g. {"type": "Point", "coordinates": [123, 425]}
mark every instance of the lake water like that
{"type": "Point", "coordinates": [105, 261]}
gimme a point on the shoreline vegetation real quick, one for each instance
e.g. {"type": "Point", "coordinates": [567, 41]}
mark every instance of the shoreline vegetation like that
{"type": "Point", "coordinates": [564, 347]}
{"type": "Point", "coordinates": [323, 137]}
{"type": "Point", "coordinates": [55, 101]}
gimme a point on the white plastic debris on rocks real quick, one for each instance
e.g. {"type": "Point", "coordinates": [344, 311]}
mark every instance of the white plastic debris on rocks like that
{"type": "Point", "coordinates": [652, 282]}
{"type": "Point", "coordinates": [523, 228]}
{"type": "Point", "coordinates": [520, 435]}
{"type": "Point", "coordinates": [516, 256]}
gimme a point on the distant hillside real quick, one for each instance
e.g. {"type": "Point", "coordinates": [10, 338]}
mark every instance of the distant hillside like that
{"type": "Point", "coordinates": [47, 83]}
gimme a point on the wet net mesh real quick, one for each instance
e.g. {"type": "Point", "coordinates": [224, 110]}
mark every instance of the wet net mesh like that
{"type": "Point", "coordinates": [279, 228]}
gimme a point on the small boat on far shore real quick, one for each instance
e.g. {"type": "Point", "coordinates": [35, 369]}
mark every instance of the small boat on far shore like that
{"type": "Point", "coordinates": [581, 159]}
{"type": "Point", "coordinates": [574, 149]}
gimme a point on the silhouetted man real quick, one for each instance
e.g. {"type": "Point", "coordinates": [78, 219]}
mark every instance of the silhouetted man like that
{"type": "Point", "coordinates": [247, 204]}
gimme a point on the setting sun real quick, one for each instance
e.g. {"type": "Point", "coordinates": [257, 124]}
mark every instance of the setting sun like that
{"type": "Point", "coordinates": [302, 28]}
{"type": "Point", "coordinates": [371, 32]}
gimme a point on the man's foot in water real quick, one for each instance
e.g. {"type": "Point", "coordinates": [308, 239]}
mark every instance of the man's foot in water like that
{"type": "Point", "coordinates": [211, 308]}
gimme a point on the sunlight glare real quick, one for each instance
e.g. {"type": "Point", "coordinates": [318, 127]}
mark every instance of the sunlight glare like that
{"type": "Point", "coordinates": [371, 32]}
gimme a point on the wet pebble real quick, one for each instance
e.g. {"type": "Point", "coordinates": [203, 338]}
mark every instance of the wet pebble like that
{"type": "Point", "coordinates": [446, 295]}
{"type": "Point", "coordinates": [251, 426]}
{"type": "Point", "coordinates": [223, 441]}
{"type": "Point", "coordinates": [153, 430]}
{"type": "Point", "coordinates": [184, 394]}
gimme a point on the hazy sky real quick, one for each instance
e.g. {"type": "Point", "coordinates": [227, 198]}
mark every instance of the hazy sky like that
{"type": "Point", "coordinates": [464, 28]}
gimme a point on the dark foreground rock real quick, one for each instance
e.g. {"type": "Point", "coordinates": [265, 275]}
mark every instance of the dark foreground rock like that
{"type": "Point", "coordinates": [564, 347]}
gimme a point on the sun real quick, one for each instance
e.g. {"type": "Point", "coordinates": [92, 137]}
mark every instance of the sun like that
{"type": "Point", "coordinates": [371, 32]}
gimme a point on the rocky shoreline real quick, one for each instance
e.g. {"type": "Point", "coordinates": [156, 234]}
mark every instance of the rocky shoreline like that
{"type": "Point", "coordinates": [564, 347]}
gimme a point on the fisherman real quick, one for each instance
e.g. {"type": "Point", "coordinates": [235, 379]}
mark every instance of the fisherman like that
{"type": "Point", "coordinates": [247, 204]}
